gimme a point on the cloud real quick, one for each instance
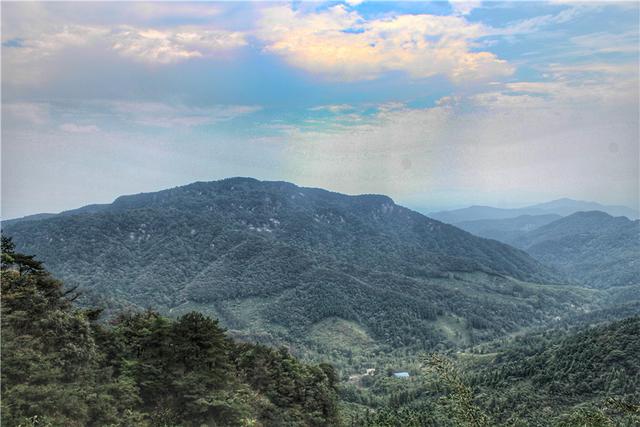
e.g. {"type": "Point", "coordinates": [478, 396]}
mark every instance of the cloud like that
{"type": "Point", "coordinates": [536, 23]}
{"type": "Point", "coordinates": [335, 108]}
{"type": "Point", "coordinates": [174, 10]}
{"type": "Point", "coordinates": [465, 7]}
{"type": "Point", "coordinates": [175, 45]}
{"type": "Point", "coordinates": [24, 57]}
{"type": "Point", "coordinates": [577, 85]}
{"type": "Point", "coordinates": [519, 140]}
{"type": "Point", "coordinates": [74, 128]}
{"type": "Point", "coordinates": [112, 116]}
{"type": "Point", "coordinates": [608, 43]}
{"type": "Point", "coordinates": [25, 113]}
{"type": "Point", "coordinates": [341, 45]}
{"type": "Point", "coordinates": [163, 115]}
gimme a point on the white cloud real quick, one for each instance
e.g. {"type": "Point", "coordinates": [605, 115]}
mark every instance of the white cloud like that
{"type": "Point", "coordinates": [463, 7]}
{"type": "Point", "coordinates": [75, 128]}
{"type": "Point", "coordinates": [163, 115]}
{"type": "Point", "coordinates": [534, 24]}
{"type": "Point", "coordinates": [24, 62]}
{"type": "Point", "coordinates": [169, 46]}
{"type": "Point", "coordinates": [548, 137]}
{"type": "Point", "coordinates": [334, 108]}
{"type": "Point", "coordinates": [109, 116]}
{"type": "Point", "coordinates": [25, 113]}
{"type": "Point", "coordinates": [608, 43]}
{"type": "Point", "coordinates": [174, 10]}
{"type": "Point", "coordinates": [341, 45]}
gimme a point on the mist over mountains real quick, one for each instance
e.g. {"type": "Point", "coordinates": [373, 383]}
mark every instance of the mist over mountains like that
{"type": "Point", "coordinates": [594, 248]}
{"type": "Point", "coordinates": [561, 207]}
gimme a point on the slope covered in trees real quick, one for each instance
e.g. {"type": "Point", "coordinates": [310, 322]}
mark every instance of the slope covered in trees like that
{"type": "Point", "coordinates": [593, 248]}
{"type": "Point", "coordinates": [542, 374]}
{"type": "Point", "coordinates": [274, 262]}
{"type": "Point", "coordinates": [508, 229]}
{"type": "Point", "coordinates": [62, 368]}
{"type": "Point", "coordinates": [584, 376]}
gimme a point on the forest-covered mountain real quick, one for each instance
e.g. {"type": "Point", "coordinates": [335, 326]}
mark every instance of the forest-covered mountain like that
{"type": "Point", "coordinates": [594, 248]}
{"type": "Point", "coordinates": [278, 263]}
{"type": "Point", "coordinates": [558, 371]}
{"type": "Point", "coordinates": [508, 229]}
{"type": "Point", "coordinates": [584, 376]}
{"type": "Point", "coordinates": [562, 207]}
{"type": "Point", "coordinates": [61, 367]}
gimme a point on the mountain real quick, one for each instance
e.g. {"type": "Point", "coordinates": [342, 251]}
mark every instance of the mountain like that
{"type": "Point", "coordinates": [566, 207]}
{"type": "Point", "coordinates": [595, 248]}
{"type": "Point", "coordinates": [562, 207]}
{"type": "Point", "coordinates": [589, 368]}
{"type": "Point", "coordinates": [37, 217]}
{"type": "Point", "coordinates": [578, 376]}
{"type": "Point", "coordinates": [61, 367]}
{"type": "Point", "coordinates": [508, 229]}
{"type": "Point", "coordinates": [278, 263]}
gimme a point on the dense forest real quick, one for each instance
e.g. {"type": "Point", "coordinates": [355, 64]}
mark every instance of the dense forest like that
{"type": "Point", "coordinates": [579, 376]}
{"type": "Point", "coordinates": [240, 302]}
{"type": "Point", "coordinates": [593, 248]}
{"type": "Point", "coordinates": [280, 264]}
{"type": "Point", "coordinates": [61, 367]}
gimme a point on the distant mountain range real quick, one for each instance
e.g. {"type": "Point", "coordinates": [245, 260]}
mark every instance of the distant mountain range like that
{"type": "Point", "coordinates": [562, 207]}
{"type": "Point", "coordinates": [594, 248]}
{"type": "Point", "coordinates": [589, 243]}
{"type": "Point", "coordinates": [508, 229]}
{"type": "Point", "coordinates": [279, 263]}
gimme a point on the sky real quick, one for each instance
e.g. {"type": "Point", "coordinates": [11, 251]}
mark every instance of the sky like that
{"type": "Point", "coordinates": [436, 104]}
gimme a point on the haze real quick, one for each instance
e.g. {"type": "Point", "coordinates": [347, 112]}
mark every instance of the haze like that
{"type": "Point", "coordinates": [435, 104]}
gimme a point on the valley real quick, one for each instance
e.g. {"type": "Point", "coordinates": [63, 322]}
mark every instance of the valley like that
{"type": "Point", "coordinates": [358, 282]}
{"type": "Point", "coordinates": [274, 261]}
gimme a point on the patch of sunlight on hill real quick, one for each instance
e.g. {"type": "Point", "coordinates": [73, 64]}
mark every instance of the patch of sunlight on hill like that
{"type": "Point", "coordinates": [454, 328]}
{"type": "Point", "coordinates": [341, 335]}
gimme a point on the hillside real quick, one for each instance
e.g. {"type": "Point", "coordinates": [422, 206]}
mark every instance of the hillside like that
{"type": "Point", "coordinates": [562, 207]}
{"type": "Point", "coordinates": [592, 247]}
{"type": "Point", "coordinates": [508, 229]}
{"type": "Point", "coordinates": [273, 261]}
{"type": "Point", "coordinates": [562, 370]}
{"type": "Point", "coordinates": [584, 376]}
{"type": "Point", "coordinates": [61, 367]}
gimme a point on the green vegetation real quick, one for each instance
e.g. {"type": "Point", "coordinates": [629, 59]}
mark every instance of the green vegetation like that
{"type": "Point", "coordinates": [274, 262]}
{"type": "Point", "coordinates": [60, 367]}
{"type": "Point", "coordinates": [63, 367]}
{"type": "Point", "coordinates": [354, 281]}
{"type": "Point", "coordinates": [592, 248]}
{"type": "Point", "coordinates": [587, 376]}
{"type": "Point", "coordinates": [506, 230]}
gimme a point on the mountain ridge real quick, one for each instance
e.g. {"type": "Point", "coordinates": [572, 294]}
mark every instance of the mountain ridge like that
{"type": "Point", "coordinates": [593, 247]}
{"type": "Point", "coordinates": [273, 260]}
{"type": "Point", "coordinates": [562, 207]}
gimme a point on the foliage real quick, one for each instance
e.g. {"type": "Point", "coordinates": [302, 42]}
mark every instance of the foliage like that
{"type": "Point", "coordinates": [593, 248]}
{"type": "Point", "coordinates": [61, 367]}
{"type": "Point", "coordinates": [578, 377]}
{"type": "Point", "coordinates": [272, 261]}
{"type": "Point", "coordinates": [459, 399]}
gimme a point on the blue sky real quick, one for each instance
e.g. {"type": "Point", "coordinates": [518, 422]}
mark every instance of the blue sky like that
{"type": "Point", "coordinates": [436, 104]}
